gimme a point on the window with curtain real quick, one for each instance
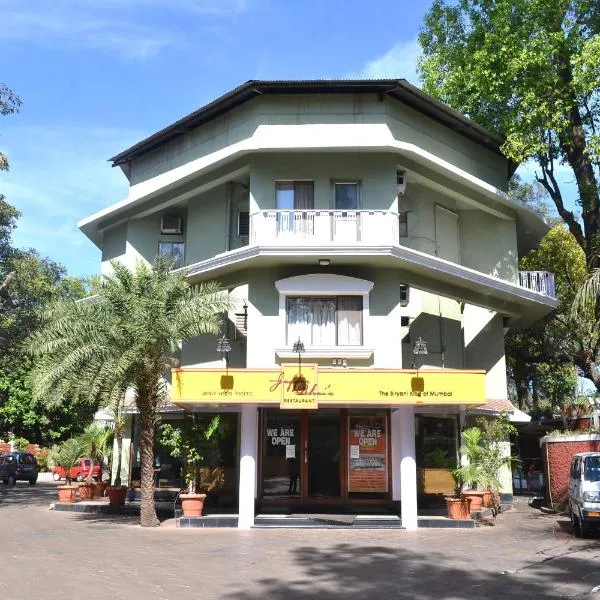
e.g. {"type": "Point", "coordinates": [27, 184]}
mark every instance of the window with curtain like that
{"type": "Point", "coordinates": [334, 321]}
{"type": "Point", "coordinates": [295, 195]}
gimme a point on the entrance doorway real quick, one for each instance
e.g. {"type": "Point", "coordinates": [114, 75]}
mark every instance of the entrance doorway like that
{"type": "Point", "coordinates": [319, 458]}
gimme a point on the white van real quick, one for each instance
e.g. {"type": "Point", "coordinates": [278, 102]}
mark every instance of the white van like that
{"type": "Point", "coordinates": [584, 492]}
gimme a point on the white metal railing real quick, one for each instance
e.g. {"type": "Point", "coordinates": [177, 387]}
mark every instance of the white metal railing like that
{"type": "Point", "coordinates": [378, 227]}
{"type": "Point", "coordinates": [538, 281]}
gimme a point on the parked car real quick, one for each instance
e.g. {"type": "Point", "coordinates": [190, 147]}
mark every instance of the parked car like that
{"type": "Point", "coordinates": [18, 465]}
{"type": "Point", "coordinates": [80, 471]}
{"type": "Point", "coordinates": [584, 492]}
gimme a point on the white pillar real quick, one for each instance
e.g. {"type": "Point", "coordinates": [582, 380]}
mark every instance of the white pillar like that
{"type": "Point", "coordinates": [248, 452]}
{"type": "Point", "coordinates": [408, 467]}
{"type": "Point", "coordinates": [395, 460]}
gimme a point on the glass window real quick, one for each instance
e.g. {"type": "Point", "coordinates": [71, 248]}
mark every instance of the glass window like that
{"type": "Point", "coordinates": [349, 320]}
{"type": "Point", "coordinates": [436, 442]}
{"type": "Point", "coordinates": [367, 455]}
{"type": "Point", "coordinates": [173, 250]}
{"type": "Point", "coordinates": [281, 454]}
{"type": "Point", "coordinates": [591, 470]}
{"type": "Point", "coordinates": [335, 321]}
{"type": "Point", "coordinates": [295, 195]}
{"type": "Point", "coordinates": [345, 196]}
{"type": "Point", "coordinates": [243, 224]}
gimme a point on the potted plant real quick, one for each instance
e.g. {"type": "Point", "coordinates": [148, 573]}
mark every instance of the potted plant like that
{"type": "Point", "coordinates": [67, 456]}
{"type": "Point", "coordinates": [486, 457]}
{"type": "Point", "coordinates": [194, 442]}
{"type": "Point", "coordinates": [473, 474]}
{"type": "Point", "coordinates": [98, 440]}
{"type": "Point", "coordinates": [459, 506]}
{"type": "Point", "coordinates": [116, 492]}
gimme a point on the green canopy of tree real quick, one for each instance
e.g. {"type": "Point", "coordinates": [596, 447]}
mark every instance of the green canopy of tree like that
{"type": "Point", "coordinates": [126, 338]}
{"type": "Point", "coordinates": [528, 71]}
{"type": "Point", "coordinates": [28, 282]}
{"type": "Point", "coordinates": [542, 360]}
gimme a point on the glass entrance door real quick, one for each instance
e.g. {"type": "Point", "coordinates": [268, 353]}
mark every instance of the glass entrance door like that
{"type": "Point", "coordinates": [323, 455]}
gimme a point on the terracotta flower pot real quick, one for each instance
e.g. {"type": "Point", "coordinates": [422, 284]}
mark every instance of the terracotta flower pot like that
{"type": "Point", "coordinates": [86, 490]}
{"type": "Point", "coordinates": [192, 504]}
{"type": "Point", "coordinates": [488, 499]}
{"type": "Point", "coordinates": [459, 508]}
{"type": "Point", "coordinates": [116, 495]}
{"type": "Point", "coordinates": [67, 493]}
{"type": "Point", "coordinates": [99, 488]}
{"type": "Point", "coordinates": [476, 497]}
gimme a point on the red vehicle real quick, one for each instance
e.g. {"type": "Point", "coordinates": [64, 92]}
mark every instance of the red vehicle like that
{"type": "Point", "coordinates": [79, 471]}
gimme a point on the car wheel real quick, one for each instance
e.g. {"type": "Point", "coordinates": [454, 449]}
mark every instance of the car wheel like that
{"type": "Point", "coordinates": [584, 528]}
{"type": "Point", "coordinates": [56, 476]}
{"type": "Point", "coordinates": [80, 477]}
{"type": "Point", "coordinates": [33, 481]}
{"type": "Point", "coordinates": [580, 527]}
{"type": "Point", "coordinates": [574, 524]}
{"type": "Point", "coordinates": [12, 479]}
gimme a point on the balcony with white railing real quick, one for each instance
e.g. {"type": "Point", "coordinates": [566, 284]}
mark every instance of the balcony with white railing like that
{"type": "Point", "coordinates": [323, 227]}
{"type": "Point", "coordinates": [541, 282]}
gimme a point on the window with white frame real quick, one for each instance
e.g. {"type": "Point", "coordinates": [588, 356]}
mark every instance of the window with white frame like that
{"type": "Point", "coordinates": [174, 251]}
{"type": "Point", "coordinates": [325, 321]}
{"type": "Point", "coordinates": [346, 195]}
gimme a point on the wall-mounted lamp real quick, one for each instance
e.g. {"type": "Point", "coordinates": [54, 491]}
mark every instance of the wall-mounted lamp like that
{"type": "Point", "coordinates": [324, 262]}
{"type": "Point", "coordinates": [299, 382]}
{"type": "Point", "coordinates": [420, 347]}
{"type": "Point", "coordinates": [224, 348]}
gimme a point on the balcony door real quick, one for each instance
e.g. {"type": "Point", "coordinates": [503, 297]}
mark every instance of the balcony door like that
{"type": "Point", "coordinates": [446, 235]}
{"type": "Point", "coordinates": [291, 197]}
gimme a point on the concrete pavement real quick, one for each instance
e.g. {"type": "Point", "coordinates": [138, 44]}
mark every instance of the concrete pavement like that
{"type": "Point", "coordinates": [45, 554]}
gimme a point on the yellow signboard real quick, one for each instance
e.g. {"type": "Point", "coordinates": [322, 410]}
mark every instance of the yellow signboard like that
{"type": "Point", "coordinates": [326, 386]}
{"type": "Point", "coordinates": [302, 391]}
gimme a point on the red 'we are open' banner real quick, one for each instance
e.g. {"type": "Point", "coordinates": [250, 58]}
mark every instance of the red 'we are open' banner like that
{"type": "Point", "coordinates": [368, 454]}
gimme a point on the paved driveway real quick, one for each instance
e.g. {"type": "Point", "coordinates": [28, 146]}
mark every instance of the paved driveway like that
{"type": "Point", "coordinates": [45, 554]}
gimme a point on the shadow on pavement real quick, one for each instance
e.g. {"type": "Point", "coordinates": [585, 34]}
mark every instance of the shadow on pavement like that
{"type": "Point", "coordinates": [356, 573]}
{"type": "Point", "coordinates": [24, 494]}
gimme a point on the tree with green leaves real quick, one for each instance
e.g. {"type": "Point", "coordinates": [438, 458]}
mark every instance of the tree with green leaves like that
{"type": "Point", "coordinates": [124, 341]}
{"type": "Point", "coordinates": [528, 71]}
{"type": "Point", "coordinates": [542, 360]}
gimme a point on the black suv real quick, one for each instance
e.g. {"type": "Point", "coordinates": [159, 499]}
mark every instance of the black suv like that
{"type": "Point", "coordinates": [18, 465]}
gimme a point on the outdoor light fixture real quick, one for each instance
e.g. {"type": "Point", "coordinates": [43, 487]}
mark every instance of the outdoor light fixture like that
{"type": "Point", "coordinates": [324, 262]}
{"type": "Point", "coordinates": [299, 382]}
{"type": "Point", "coordinates": [420, 347]}
{"type": "Point", "coordinates": [224, 348]}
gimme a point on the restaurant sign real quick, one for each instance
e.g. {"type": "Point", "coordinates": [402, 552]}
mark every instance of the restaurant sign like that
{"type": "Point", "coordinates": [311, 386]}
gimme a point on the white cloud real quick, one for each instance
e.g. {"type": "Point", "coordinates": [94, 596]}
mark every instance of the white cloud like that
{"type": "Point", "coordinates": [400, 61]}
{"type": "Point", "coordinates": [130, 28]}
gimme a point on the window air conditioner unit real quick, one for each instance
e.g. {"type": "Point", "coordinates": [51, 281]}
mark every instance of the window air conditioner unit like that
{"type": "Point", "coordinates": [171, 225]}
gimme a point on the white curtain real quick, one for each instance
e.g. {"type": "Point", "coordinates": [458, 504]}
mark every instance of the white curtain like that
{"type": "Point", "coordinates": [298, 320]}
{"type": "Point", "coordinates": [349, 321]}
{"type": "Point", "coordinates": [323, 330]}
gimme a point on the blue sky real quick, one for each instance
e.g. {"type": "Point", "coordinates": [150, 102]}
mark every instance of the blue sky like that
{"type": "Point", "coordinates": [95, 76]}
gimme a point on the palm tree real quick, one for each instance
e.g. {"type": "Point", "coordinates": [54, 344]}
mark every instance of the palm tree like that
{"type": "Point", "coordinates": [125, 338]}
